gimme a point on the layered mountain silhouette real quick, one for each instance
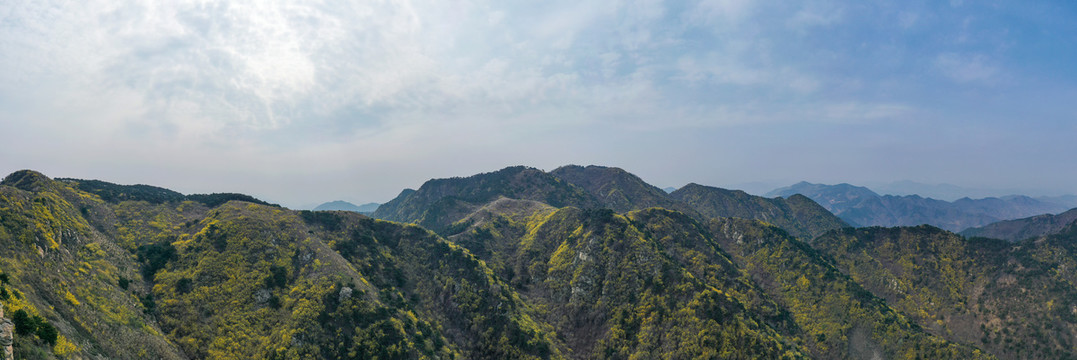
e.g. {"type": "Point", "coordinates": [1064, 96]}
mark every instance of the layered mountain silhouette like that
{"type": "Point", "coordinates": [341, 205]}
{"type": "Point", "coordinates": [1020, 229]}
{"type": "Point", "coordinates": [576, 263]}
{"type": "Point", "coordinates": [859, 206]}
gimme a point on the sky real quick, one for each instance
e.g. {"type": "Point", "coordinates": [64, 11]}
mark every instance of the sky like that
{"type": "Point", "coordinates": [302, 102]}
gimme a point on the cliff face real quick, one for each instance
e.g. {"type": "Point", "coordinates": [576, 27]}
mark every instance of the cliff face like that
{"type": "Point", "coordinates": [7, 336]}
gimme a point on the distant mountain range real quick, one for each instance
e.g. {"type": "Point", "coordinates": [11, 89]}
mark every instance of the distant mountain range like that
{"type": "Point", "coordinates": [1030, 227]}
{"type": "Point", "coordinates": [582, 262]}
{"type": "Point", "coordinates": [861, 206]}
{"type": "Point", "coordinates": [949, 192]}
{"type": "Point", "coordinates": [367, 208]}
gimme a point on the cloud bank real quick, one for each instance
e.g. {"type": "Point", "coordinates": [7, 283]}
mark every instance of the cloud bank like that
{"type": "Point", "coordinates": [359, 99]}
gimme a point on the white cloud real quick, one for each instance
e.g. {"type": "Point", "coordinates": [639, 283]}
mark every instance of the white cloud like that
{"type": "Point", "coordinates": [727, 12]}
{"type": "Point", "coordinates": [340, 88]}
{"type": "Point", "coordinates": [735, 68]}
{"type": "Point", "coordinates": [214, 71]}
{"type": "Point", "coordinates": [861, 113]}
{"type": "Point", "coordinates": [966, 68]}
{"type": "Point", "coordinates": [815, 14]}
{"type": "Point", "coordinates": [256, 65]}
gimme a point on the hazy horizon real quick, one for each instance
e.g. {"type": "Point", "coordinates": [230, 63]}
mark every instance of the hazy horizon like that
{"type": "Point", "coordinates": [754, 188]}
{"type": "Point", "coordinates": [303, 103]}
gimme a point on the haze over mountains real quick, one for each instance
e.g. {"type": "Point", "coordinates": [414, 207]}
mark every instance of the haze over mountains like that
{"type": "Point", "coordinates": [860, 206]}
{"type": "Point", "coordinates": [578, 262]}
{"type": "Point", "coordinates": [1030, 227]}
{"type": "Point", "coordinates": [347, 206]}
{"type": "Point", "coordinates": [950, 192]}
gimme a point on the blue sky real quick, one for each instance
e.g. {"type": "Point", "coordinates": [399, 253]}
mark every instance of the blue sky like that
{"type": "Point", "coordinates": [302, 102]}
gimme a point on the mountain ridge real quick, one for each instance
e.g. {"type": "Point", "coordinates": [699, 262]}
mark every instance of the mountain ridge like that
{"type": "Point", "coordinates": [265, 280]}
{"type": "Point", "coordinates": [516, 277]}
{"type": "Point", "coordinates": [341, 205]}
{"type": "Point", "coordinates": [799, 215]}
{"type": "Point", "coordinates": [1020, 229]}
{"type": "Point", "coordinates": [440, 203]}
{"type": "Point", "coordinates": [860, 206]}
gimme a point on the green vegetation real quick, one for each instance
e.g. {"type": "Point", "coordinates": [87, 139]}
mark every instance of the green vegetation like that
{"type": "Point", "coordinates": [441, 202]}
{"type": "Point", "coordinates": [798, 215]}
{"type": "Point", "coordinates": [97, 270]}
{"type": "Point", "coordinates": [613, 291]}
{"type": "Point", "coordinates": [619, 190]}
{"type": "Point", "coordinates": [251, 274]}
{"type": "Point", "coordinates": [114, 193]}
{"type": "Point", "coordinates": [26, 324]}
{"type": "Point", "coordinates": [1020, 229]}
{"type": "Point", "coordinates": [63, 274]}
{"type": "Point", "coordinates": [244, 280]}
{"type": "Point", "coordinates": [154, 257]}
{"type": "Point", "coordinates": [837, 317]}
{"type": "Point", "coordinates": [218, 199]}
{"type": "Point", "coordinates": [1014, 300]}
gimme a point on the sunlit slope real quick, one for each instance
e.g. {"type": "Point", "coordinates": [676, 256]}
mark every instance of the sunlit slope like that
{"type": "Point", "coordinates": [1016, 300]}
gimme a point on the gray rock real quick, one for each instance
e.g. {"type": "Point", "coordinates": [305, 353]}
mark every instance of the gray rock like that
{"type": "Point", "coordinates": [345, 293]}
{"type": "Point", "coordinates": [7, 337]}
{"type": "Point", "coordinates": [262, 295]}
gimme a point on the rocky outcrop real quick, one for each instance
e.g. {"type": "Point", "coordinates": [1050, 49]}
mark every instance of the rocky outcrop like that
{"type": "Point", "coordinates": [7, 336]}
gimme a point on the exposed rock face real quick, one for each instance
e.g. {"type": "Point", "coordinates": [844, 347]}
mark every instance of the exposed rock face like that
{"type": "Point", "coordinates": [345, 293]}
{"type": "Point", "coordinates": [7, 336]}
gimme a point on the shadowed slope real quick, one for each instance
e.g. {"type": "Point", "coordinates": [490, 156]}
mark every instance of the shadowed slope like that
{"type": "Point", "coordinates": [1020, 229]}
{"type": "Point", "coordinates": [440, 202]}
{"type": "Point", "coordinates": [798, 215]}
{"type": "Point", "coordinates": [619, 190]}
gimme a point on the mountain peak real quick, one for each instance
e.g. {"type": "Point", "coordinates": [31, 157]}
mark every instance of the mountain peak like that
{"type": "Point", "coordinates": [812, 189]}
{"type": "Point", "coordinates": [440, 202]}
{"type": "Point", "coordinates": [618, 189]}
{"type": "Point", "coordinates": [798, 215]}
{"type": "Point", "coordinates": [28, 180]}
{"type": "Point", "coordinates": [592, 167]}
{"type": "Point", "coordinates": [341, 205]}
